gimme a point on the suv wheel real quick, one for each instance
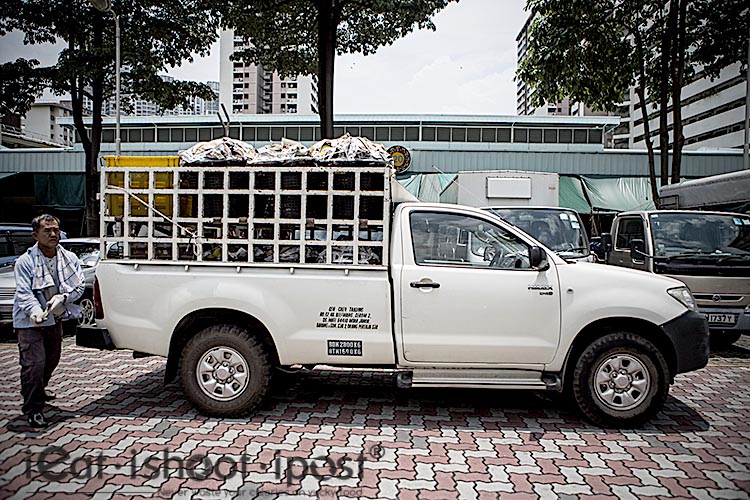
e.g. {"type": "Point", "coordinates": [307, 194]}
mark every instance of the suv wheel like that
{"type": "Point", "coordinates": [620, 380]}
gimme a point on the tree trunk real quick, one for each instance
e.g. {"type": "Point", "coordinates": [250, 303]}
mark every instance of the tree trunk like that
{"type": "Point", "coordinates": [92, 159]}
{"type": "Point", "coordinates": [664, 91]}
{"type": "Point", "coordinates": [327, 24]}
{"type": "Point", "coordinates": [678, 73]}
{"type": "Point", "coordinates": [640, 90]}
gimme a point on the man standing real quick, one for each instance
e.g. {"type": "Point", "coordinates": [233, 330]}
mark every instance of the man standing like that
{"type": "Point", "coordinates": [48, 280]}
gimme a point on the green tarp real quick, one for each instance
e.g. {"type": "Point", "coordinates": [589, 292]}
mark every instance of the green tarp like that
{"type": "Point", "coordinates": [432, 187]}
{"type": "Point", "coordinates": [571, 195]}
{"type": "Point", "coordinates": [587, 194]}
{"type": "Point", "coordinates": [60, 191]}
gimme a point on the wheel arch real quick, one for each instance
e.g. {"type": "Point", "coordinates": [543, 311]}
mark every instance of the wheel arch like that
{"type": "Point", "coordinates": [196, 321]}
{"type": "Point", "coordinates": [602, 327]}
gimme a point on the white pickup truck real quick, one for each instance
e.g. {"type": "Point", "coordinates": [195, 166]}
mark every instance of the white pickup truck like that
{"type": "Point", "coordinates": [324, 265]}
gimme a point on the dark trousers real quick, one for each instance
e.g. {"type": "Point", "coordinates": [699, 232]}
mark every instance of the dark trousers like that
{"type": "Point", "coordinates": [40, 353]}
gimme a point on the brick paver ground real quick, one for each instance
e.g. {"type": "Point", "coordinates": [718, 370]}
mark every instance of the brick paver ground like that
{"type": "Point", "coordinates": [116, 424]}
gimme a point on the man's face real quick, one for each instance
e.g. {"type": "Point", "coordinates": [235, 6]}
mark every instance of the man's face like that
{"type": "Point", "coordinates": [48, 234]}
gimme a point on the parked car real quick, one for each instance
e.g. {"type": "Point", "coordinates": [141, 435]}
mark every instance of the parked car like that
{"type": "Point", "coordinates": [14, 240]}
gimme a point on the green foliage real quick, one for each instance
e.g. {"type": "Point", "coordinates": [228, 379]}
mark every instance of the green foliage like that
{"type": "Point", "coordinates": [284, 33]}
{"type": "Point", "coordinates": [586, 49]}
{"type": "Point", "coordinates": [724, 32]}
{"type": "Point", "coordinates": [155, 36]}
{"type": "Point", "coordinates": [19, 92]}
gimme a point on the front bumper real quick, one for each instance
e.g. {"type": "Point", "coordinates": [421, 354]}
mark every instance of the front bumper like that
{"type": "Point", "coordinates": [689, 336]}
{"type": "Point", "coordinates": [742, 325]}
{"type": "Point", "coordinates": [94, 337]}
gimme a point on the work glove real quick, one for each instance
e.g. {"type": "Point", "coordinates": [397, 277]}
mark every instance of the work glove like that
{"type": "Point", "coordinates": [38, 316]}
{"type": "Point", "coordinates": [56, 304]}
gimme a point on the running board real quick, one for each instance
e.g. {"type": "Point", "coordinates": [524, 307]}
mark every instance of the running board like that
{"type": "Point", "coordinates": [479, 378]}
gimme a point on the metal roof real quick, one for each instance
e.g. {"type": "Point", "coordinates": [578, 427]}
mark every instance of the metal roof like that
{"type": "Point", "coordinates": [584, 121]}
{"type": "Point", "coordinates": [432, 158]}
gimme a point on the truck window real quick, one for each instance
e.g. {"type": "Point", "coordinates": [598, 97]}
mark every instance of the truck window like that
{"type": "Point", "coordinates": [459, 240]}
{"type": "Point", "coordinates": [628, 229]}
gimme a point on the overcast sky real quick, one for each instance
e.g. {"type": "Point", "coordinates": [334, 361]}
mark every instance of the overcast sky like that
{"type": "Point", "coordinates": [465, 67]}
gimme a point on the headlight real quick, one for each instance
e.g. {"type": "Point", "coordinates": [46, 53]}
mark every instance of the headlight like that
{"type": "Point", "coordinates": [683, 296]}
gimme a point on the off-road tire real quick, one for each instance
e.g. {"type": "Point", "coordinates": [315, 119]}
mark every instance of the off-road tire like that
{"type": "Point", "coordinates": [593, 359]}
{"type": "Point", "coordinates": [240, 341]}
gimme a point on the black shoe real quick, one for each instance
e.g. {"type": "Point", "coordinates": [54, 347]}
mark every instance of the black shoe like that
{"type": "Point", "coordinates": [37, 420]}
{"type": "Point", "coordinates": [49, 396]}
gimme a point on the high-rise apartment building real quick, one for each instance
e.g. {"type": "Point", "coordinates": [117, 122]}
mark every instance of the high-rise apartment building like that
{"type": "Point", "coordinates": [251, 89]}
{"type": "Point", "coordinates": [713, 112]}
{"type": "Point", "coordinates": [142, 107]}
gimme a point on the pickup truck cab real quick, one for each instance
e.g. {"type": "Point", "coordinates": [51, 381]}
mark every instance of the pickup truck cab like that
{"type": "Point", "coordinates": [708, 251]}
{"type": "Point", "coordinates": [334, 268]}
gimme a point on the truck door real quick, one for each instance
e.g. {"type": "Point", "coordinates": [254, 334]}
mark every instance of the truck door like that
{"type": "Point", "coordinates": [469, 295]}
{"type": "Point", "coordinates": [627, 229]}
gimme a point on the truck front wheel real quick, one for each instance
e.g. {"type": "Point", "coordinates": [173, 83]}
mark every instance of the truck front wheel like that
{"type": "Point", "coordinates": [224, 371]}
{"type": "Point", "coordinates": [620, 380]}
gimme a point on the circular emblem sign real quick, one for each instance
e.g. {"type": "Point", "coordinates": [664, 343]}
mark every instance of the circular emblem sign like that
{"type": "Point", "coordinates": [401, 158]}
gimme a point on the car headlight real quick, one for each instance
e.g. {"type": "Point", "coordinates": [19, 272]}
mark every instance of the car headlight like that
{"type": "Point", "coordinates": [683, 296]}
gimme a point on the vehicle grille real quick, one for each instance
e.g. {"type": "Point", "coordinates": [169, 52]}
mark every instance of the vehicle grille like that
{"type": "Point", "coordinates": [723, 298]}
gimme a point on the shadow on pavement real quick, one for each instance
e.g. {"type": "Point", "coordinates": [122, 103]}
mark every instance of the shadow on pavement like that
{"type": "Point", "coordinates": [366, 400]}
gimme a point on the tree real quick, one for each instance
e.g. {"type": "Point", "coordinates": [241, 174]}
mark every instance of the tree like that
{"type": "Point", "coordinates": [304, 36]}
{"type": "Point", "coordinates": [155, 35]}
{"type": "Point", "coordinates": [592, 51]}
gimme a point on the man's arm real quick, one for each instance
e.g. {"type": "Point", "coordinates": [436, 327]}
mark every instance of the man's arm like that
{"type": "Point", "coordinates": [25, 298]}
{"type": "Point", "coordinates": [78, 290]}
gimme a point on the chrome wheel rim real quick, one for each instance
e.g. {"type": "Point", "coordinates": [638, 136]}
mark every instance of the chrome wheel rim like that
{"type": "Point", "coordinates": [621, 382]}
{"type": "Point", "coordinates": [222, 373]}
{"type": "Point", "coordinates": [87, 315]}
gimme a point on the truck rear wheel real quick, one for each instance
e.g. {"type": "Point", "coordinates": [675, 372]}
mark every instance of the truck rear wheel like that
{"type": "Point", "coordinates": [620, 380]}
{"type": "Point", "coordinates": [224, 371]}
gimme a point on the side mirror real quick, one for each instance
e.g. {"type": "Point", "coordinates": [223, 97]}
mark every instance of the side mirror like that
{"type": "Point", "coordinates": [637, 249]}
{"type": "Point", "coordinates": [538, 258]}
{"type": "Point", "coordinates": [606, 242]}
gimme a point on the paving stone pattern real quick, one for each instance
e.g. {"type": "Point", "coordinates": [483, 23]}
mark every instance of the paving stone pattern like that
{"type": "Point", "coordinates": [116, 423]}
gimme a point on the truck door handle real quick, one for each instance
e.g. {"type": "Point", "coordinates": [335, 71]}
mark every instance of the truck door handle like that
{"type": "Point", "coordinates": [424, 284]}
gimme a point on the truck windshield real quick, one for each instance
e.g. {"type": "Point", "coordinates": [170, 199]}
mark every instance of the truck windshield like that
{"type": "Point", "coordinates": [560, 230]}
{"type": "Point", "coordinates": [702, 238]}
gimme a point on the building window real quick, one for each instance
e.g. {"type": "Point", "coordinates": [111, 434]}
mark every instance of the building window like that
{"type": "Point", "coordinates": [412, 133]}
{"type": "Point", "coordinates": [177, 135]}
{"type": "Point", "coordinates": [565, 135]}
{"type": "Point", "coordinates": [503, 135]}
{"type": "Point", "coordinates": [381, 134]}
{"type": "Point", "coordinates": [458, 134]}
{"type": "Point", "coordinates": [488, 135]}
{"type": "Point", "coordinates": [473, 134]}
{"type": "Point", "coordinates": [520, 135]}
{"type": "Point", "coordinates": [397, 133]}
{"type": "Point", "coordinates": [428, 133]}
{"type": "Point", "coordinates": [443, 134]}
{"type": "Point", "coordinates": [248, 134]}
{"type": "Point", "coordinates": [550, 136]}
{"type": "Point", "coordinates": [368, 132]}
{"type": "Point", "coordinates": [595, 136]}
{"type": "Point", "coordinates": [580, 136]}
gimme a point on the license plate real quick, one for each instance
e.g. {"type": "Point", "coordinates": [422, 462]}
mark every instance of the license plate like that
{"type": "Point", "coordinates": [722, 319]}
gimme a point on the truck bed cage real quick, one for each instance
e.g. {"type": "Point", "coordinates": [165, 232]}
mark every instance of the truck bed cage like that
{"type": "Point", "coordinates": [288, 212]}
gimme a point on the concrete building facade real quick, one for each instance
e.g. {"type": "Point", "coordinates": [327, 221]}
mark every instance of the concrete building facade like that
{"type": "Point", "coordinates": [713, 112]}
{"type": "Point", "coordinates": [252, 89]}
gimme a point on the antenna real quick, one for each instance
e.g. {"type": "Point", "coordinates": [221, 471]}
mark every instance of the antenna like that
{"type": "Point", "coordinates": [481, 201]}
